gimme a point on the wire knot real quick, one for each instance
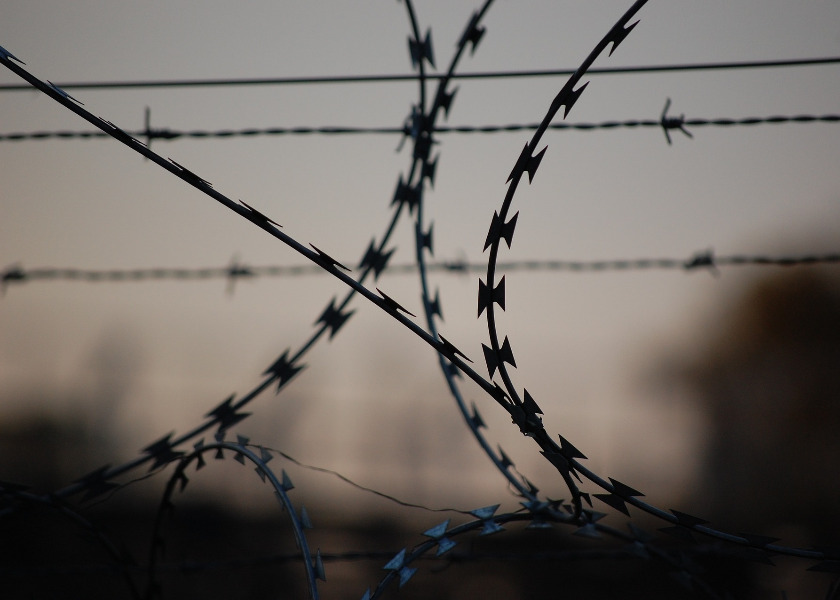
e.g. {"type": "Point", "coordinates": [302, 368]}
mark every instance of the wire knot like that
{"type": "Point", "coordinates": [668, 122]}
{"type": "Point", "coordinates": [701, 260]}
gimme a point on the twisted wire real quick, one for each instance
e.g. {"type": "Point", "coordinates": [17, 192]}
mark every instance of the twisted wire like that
{"type": "Point", "coordinates": [16, 274]}
{"type": "Point", "coordinates": [167, 134]}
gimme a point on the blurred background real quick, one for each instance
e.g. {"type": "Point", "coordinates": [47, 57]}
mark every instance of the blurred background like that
{"type": "Point", "coordinates": [711, 390]}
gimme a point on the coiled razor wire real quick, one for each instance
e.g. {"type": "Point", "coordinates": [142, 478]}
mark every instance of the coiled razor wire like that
{"type": "Point", "coordinates": [241, 452]}
{"type": "Point", "coordinates": [524, 411]}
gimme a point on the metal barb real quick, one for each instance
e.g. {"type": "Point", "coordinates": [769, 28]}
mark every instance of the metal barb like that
{"type": "Point", "coordinates": [669, 123]}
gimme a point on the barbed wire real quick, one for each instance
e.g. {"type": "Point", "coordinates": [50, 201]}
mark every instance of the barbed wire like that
{"type": "Point", "coordinates": [17, 274]}
{"type": "Point", "coordinates": [337, 79]}
{"type": "Point", "coordinates": [666, 123]}
{"type": "Point", "coordinates": [524, 413]}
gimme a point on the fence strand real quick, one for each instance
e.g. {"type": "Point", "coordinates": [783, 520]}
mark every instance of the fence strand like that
{"type": "Point", "coordinates": [337, 79]}
{"type": "Point", "coordinates": [666, 123]}
{"type": "Point", "coordinates": [18, 275]}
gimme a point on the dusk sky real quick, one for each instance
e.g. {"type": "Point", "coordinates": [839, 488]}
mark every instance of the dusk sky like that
{"type": "Point", "coordinates": [588, 345]}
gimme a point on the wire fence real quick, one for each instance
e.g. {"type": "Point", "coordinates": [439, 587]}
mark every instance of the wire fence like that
{"type": "Point", "coordinates": [179, 457]}
{"type": "Point", "coordinates": [665, 123]}
{"type": "Point", "coordinates": [700, 260]}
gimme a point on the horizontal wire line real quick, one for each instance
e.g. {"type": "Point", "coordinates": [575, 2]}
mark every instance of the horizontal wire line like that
{"type": "Point", "coordinates": [336, 79]}
{"type": "Point", "coordinates": [170, 134]}
{"type": "Point", "coordinates": [17, 274]}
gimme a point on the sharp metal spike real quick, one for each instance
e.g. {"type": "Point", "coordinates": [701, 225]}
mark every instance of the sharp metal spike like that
{"type": "Point", "coordinates": [8, 55]}
{"type": "Point", "coordinates": [396, 562]}
{"type": "Point", "coordinates": [473, 33]}
{"type": "Point", "coordinates": [528, 403]}
{"type": "Point", "coordinates": [327, 261]}
{"type": "Point", "coordinates": [534, 163]}
{"type": "Point", "coordinates": [491, 527]}
{"type": "Point", "coordinates": [428, 171]}
{"type": "Point", "coordinates": [444, 546]}
{"type": "Point", "coordinates": [318, 567]}
{"type": "Point", "coordinates": [265, 455]}
{"type": "Point", "coordinates": [426, 240]}
{"type": "Point", "coordinates": [622, 490]}
{"type": "Point", "coordinates": [283, 370]}
{"type": "Point", "coordinates": [504, 459]}
{"type": "Point", "coordinates": [405, 194]}
{"type": "Point", "coordinates": [421, 50]}
{"type": "Point", "coordinates": [286, 483]}
{"type": "Point", "coordinates": [485, 512]}
{"type": "Point", "coordinates": [333, 318]}
{"type": "Point", "coordinates": [258, 217]}
{"type": "Point", "coordinates": [376, 260]}
{"type": "Point", "coordinates": [476, 419]}
{"type": "Point", "coordinates": [688, 520]}
{"type": "Point", "coordinates": [434, 306]}
{"type": "Point", "coordinates": [162, 452]}
{"type": "Point", "coordinates": [95, 484]}
{"type": "Point", "coordinates": [558, 460]}
{"type": "Point", "coordinates": [438, 531]}
{"type": "Point", "coordinates": [618, 35]}
{"type": "Point", "coordinates": [499, 230]}
{"type": "Point", "coordinates": [446, 347]}
{"type": "Point", "coordinates": [446, 101]}
{"type": "Point", "coordinates": [392, 305]}
{"type": "Point", "coordinates": [406, 573]}
{"type": "Point", "coordinates": [62, 93]}
{"type": "Point", "coordinates": [486, 295]}
{"type": "Point", "coordinates": [191, 177]}
{"type": "Point", "coordinates": [567, 97]}
{"type": "Point", "coordinates": [614, 501]}
{"type": "Point", "coordinates": [568, 450]}
{"type": "Point", "coordinates": [225, 414]}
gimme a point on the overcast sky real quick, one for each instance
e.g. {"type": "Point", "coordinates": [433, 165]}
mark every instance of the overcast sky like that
{"type": "Point", "coordinates": [586, 344]}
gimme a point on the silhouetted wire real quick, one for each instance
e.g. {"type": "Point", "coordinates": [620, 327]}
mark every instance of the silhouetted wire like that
{"type": "Point", "coordinates": [336, 79]}
{"type": "Point", "coordinates": [360, 487]}
{"type": "Point", "coordinates": [172, 134]}
{"type": "Point", "coordinates": [17, 274]}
